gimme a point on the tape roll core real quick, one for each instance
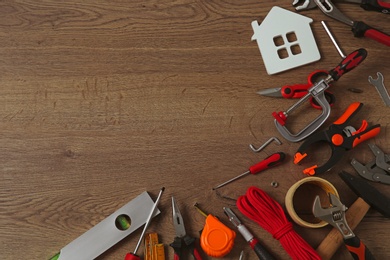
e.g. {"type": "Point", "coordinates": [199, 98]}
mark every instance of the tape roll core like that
{"type": "Point", "coordinates": [316, 182]}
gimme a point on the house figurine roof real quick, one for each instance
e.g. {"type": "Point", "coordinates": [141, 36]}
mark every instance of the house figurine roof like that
{"type": "Point", "coordinates": [290, 21]}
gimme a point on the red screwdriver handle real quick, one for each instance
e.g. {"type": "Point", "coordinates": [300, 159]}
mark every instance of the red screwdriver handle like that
{"type": "Point", "coordinates": [131, 256]}
{"type": "Point", "coordinates": [348, 63]}
{"type": "Point", "coordinates": [268, 162]}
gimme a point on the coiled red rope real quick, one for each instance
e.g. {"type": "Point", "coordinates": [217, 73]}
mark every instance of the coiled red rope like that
{"type": "Point", "coordinates": [265, 211]}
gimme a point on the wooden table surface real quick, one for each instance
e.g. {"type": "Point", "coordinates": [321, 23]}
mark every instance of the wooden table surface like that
{"type": "Point", "coordinates": [103, 100]}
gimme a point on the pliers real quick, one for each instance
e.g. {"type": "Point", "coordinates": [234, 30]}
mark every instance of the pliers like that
{"type": "Point", "coordinates": [335, 215]}
{"type": "Point", "coordinates": [369, 5]}
{"type": "Point", "coordinates": [182, 240]}
{"type": "Point", "coordinates": [377, 170]}
{"type": "Point", "coordinates": [359, 28]}
{"type": "Point", "coordinates": [340, 136]}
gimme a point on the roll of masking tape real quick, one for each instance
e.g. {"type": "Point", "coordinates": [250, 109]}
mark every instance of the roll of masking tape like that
{"type": "Point", "coordinates": [300, 198]}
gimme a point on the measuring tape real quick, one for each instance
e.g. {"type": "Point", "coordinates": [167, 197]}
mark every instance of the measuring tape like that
{"type": "Point", "coordinates": [216, 240]}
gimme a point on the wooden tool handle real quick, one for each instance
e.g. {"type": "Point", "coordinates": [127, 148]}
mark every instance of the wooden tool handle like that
{"type": "Point", "coordinates": [334, 239]}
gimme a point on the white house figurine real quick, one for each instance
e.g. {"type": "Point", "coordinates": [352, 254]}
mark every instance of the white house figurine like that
{"type": "Point", "coordinates": [285, 40]}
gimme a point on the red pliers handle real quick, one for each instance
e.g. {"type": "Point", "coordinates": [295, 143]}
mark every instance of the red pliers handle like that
{"type": "Point", "coordinates": [186, 242]}
{"type": "Point", "coordinates": [300, 90]}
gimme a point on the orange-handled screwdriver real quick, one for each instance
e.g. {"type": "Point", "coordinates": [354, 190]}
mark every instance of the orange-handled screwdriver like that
{"type": "Point", "coordinates": [268, 162]}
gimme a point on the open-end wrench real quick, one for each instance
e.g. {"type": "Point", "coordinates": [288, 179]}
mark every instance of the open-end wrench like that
{"type": "Point", "coordinates": [306, 5]}
{"type": "Point", "coordinates": [380, 87]}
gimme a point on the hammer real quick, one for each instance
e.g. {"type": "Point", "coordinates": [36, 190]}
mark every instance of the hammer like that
{"type": "Point", "coordinates": [367, 196]}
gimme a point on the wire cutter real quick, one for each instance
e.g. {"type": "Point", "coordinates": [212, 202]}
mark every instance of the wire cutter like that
{"type": "Point", "coordinates": [300, 90]}
{"type": "Point", "coordinates": [182, 240]}
{"type": "Point", "coordinates": [359, 28]}
{"type": "Point", "coordinates": [340, 136]}
{"type": "Point", "coordinates": [335, 215]}
{"type": "Point", "coordinates": [378, 170]}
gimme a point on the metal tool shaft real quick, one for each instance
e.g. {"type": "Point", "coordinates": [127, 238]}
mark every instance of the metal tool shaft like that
{"type": "Point", "coordinates": [333, 39]}
{"type": "Point", "coordinates": [231, 180]}
{"type": "Point", "coordinates": [148, 220]}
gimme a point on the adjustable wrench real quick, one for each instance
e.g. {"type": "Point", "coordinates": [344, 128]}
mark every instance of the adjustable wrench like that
{"type": "Point", "coordinates": [335, 215]}
{"type": "Point", "coordinates": [380, 87]}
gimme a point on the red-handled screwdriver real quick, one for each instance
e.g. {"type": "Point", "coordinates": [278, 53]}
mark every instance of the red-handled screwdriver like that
{"type": "Point", "coordinates": [348, 63]}
{"type": "Point", "coordinates": [268, 162]}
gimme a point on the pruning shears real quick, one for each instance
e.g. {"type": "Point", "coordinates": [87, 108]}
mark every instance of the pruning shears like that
{"type": "Point", "coordinates": [340, 136]}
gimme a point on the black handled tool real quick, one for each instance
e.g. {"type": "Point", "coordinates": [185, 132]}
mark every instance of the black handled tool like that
{"type": "Point", "coordinates": [260, 251]}
{"type": "Point", "coordinates": [182, 241]}
{"type": "Point", "coordinates": [348, 63]}
{"type": "Point", "coordinates": [368, 193]}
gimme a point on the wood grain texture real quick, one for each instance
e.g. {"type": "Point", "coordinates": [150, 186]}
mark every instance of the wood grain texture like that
{"type": "Point", "coordinates": [102, 100]}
